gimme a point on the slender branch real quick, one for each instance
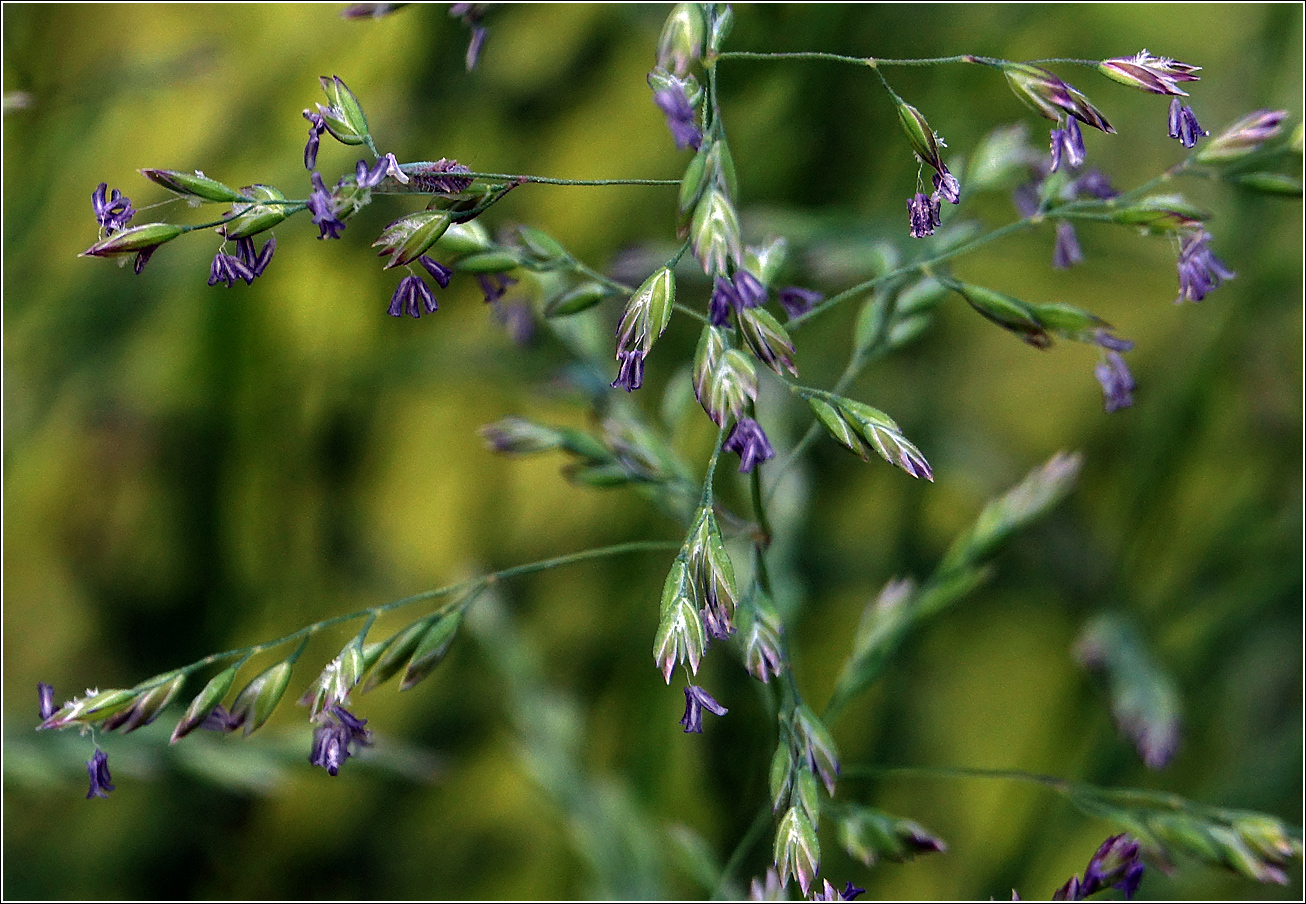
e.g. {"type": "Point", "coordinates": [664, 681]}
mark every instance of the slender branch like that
{"type": "Point", "coordinates": [294, 207]}
{"type": "Point", "coordinates": [546, 180]}
{"type": "Point", "coordinates": [394, 187]}
{"type": "Point", "coordinates": [856, 61]}
{"type": "Point", "coordinates": [586, 270]}
{"type": "Point", "coordinates": [1069, 61]}
{"type": "Point", "coordinates": [918, 266]}
{"type": "Point", "coordinates": [872, 351]}
{"type": "Point", "coordinates": [462, 586]}
{"type": "Point", "coordinates": [1016, 775]}
{"type": "Point", "coordinates": [759, 512]}
{"type": "Point", "coordinates": [1079, 793]}
{"type": "Point", "coordinates": [691, 312]}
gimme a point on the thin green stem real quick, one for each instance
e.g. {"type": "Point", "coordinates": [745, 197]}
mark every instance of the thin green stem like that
{"type": "Point", "coordinates": [556, 562]}
{"type": "Point", "coordinates": [1081, 794]}
{"type": "Point", "coordinates": [367, 626]}
{"type": "Point", "coordinates": [714, 127]}
{"type": "Point", "coordinates": [874, 772]}
{"type": "Point", "coordinates": [299, 650]}
{"type": "Point", "coordinates": [887, 87]}
{"type": "Point", "coordinates": [468, 586]}
{"type": "Point", "coordinates": [706, 499]}
{"type": "Point", "coordinates": [586, 270]}
{"type": "Point", "coordinates": [759, 513]}
{"type": "Point", "coordinates": [1068, 61]}
{"type": "Point", "coordinates": [691, 312]}
{"type": "Point", "coordinates": [860, 358]}
{"type": "Point", "coordinates": [868, 353]}
{"type": "Point", "coordinates": [675, 258]}
{"type": "Point", "coordinates": [465, 216]}
{"type": "Point", "coordinates": [856, 61]}
{"type": "Point", "coordinates": [393, 187]}
{"type": "Point", "coordinates": [546, 180]}
{"type": "Point", "coordinates": [921, 266]}
{"type": "Point", "coordinates": [294, 208]}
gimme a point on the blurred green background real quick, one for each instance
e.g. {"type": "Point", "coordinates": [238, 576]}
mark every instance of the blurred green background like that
{"type": "Point", "coordinates": [190, 469]}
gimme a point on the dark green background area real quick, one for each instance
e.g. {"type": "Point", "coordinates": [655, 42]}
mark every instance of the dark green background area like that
{"type": "Point", "coordinates": [190, 469]}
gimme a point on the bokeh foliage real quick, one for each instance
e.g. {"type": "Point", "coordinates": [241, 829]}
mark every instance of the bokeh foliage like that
{"type": "Point", "coordinates": [189, 469]}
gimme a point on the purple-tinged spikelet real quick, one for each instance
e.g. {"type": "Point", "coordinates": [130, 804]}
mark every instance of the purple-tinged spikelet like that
{"type": "Point", "coordinates": [97, 767]}
{"type": "Point", "coordinates": [750, 443]}
{"type": "Point", "coordinates": [697, 700]}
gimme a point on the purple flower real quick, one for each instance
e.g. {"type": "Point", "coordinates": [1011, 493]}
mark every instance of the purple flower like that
{"type": "Point", "coordinates": [1158, 75]}
{"type": "Point", "coordinates": [749, 289]}
{"type": "Point", "coordinates": [1066, 252]}
{"type": "Point", "coordinates": [923, 213]}
{"type": "Point", "coordinates": [334, 737]}
{"type": "Point", "coordinates": [680, 116]}
{"type": "Point", "coordinates": [1025, 199]}
{"type": "Point", "coordinates": [115, 212]}
{"type": "Point", "coordinates": [316, 126]}
{"type": "Point", "coordinates": [1071, 141]}
{"type": "Point", "coordinates": [357, 732]}
{"type": "Point", "coordinates": [471, 15]}
{"type": "Point", "coordinates": [772, 890]}
{"type": "Point", "coordinates": [797, 301]}
{"type": "Point", "coordinates": [630, 371]}
{"type": "Point", "coordinates": [1103, 338]}
{"type": "Point", "coordinates": [747, 439]}
{"type": "Point", "coordinates": [369, 10]}
{"type": "Point", "coordinates": [322, 205]}
{"type": "Point", "coordinates": [1200, 271]}
{"type": "Point", "coordinates": [1116, 864]}
{"type": "Point", "coordinates": [494, 285]}
{"type": "Point", "coordinates": [228, 269]}
{"type": "Point", "coordinates": [830, 893]}
{"type": "Point", "coordinates": [1129, 883]}
{"type": "Point", "coordinates": [1244, 136]}
{"type": "Point", "coordinates": [219, 719]}
{"type": "Point", "coordinates": [142, 258]}
{"type": "Point", "coordinates": [439, 272]}
{"type": "Point", "coordinates": [947, 186]}
{"type": "Point", "coordinates": [923, 842]}
{"type": "Point", "coordinates": [743, 291]}
{"type": "Point", "coordinates": [370, 177]}
{"type": "Point", "coordinates": [1116, 381]}
{"type": "Point", "coordinates": [696, 700]}
{"type": "Point", "coordinates": [1071, 891]}
{"type": "Point", "coordinates": [762, 656]}
{"type": "Point", "coordinates": [1111, 372]}
{"type": "Point", "coordinates": [410, 292]}
{"type": "Point", "coordinates": [724, 297]}
{"type": "Point", "coordinates": [516, 319]}
{"type": "Point", "coordinates": [365, 176]}
{"type": "Point", "coordinates": [474, 46]}
{"type": "Point", "coordinates": [257, 263]}
{"type": "Point", "coordinates": [1184, 124]}
{"type": "Point", "coordinates": [45, 694]}
{"type": "Point", "coordinates": [97, 767]}
{"type": "Point", "coordinates": [716, 619]}
{"type": "Point", "coordinates": [1094, 183]}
